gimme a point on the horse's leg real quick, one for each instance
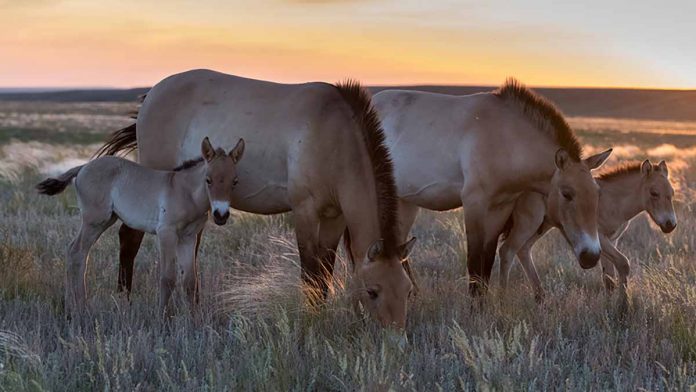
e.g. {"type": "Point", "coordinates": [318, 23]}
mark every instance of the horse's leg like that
{"type": "Point", "coordinates": [483, 227]}
{"type": "Point", "coordinates": [307, 234]}
{"type": "Point", "coordinates": [608, 273]}
{"type": "Point", "coordinates": [527, 262]}
{"type": "Point", "coordinates": [527, 216]}
{"type": "Point", "coordinates": [78, 256]}
{"type": "Point", "coordinates": [168, 242]}
{"type": "Point", "coordinates": [620, 261]}
{"type": "Point", "coordinates": [330, 231]}
{"type": "Point", "coordinates": [407, 215]}
{"type": "Point", "coordinates": [186, 256]}
{"type": "Point", "coordinates": [130, 240]}
{"type": "Point", "coordinates": [197, 295]}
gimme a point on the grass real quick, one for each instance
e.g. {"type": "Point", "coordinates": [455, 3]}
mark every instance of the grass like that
{"type": "Point", "coordinates": [255, 333]}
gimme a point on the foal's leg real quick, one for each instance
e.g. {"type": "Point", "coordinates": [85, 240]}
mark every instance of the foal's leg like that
{"type": "Point", "coordinates": [186, 256]}
{"type": "Point", "coordinates": [608, 273]}
{"type": "Point", "coordinates": [130, 240]}
{"type": "Point", "coordinates": [620, 261]}
{"type": "Point", "coordinates": [168, 241]}
{"type": "Point", "coordinates": [527, 217]}
{"type": "Point", "coordinates": [407, 215]}
{"type": "Point", "coordinates": [78, 255]}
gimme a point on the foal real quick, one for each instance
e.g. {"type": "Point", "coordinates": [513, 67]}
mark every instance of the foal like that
{"type": "Point", "coordinates": [624, 193]}
{"type": "Point", "coordinates": [174, 205]}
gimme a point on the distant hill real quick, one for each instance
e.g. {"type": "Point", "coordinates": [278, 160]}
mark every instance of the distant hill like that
{"type": "Point", "coordinates": [670, 105]}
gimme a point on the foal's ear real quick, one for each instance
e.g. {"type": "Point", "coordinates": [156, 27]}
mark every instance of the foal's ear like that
{"type": "Point", "coordinates": [237, 151]}
{"type": "Point", "coordinates": [663, 167]}
{"type": "Point", "coordinates": [207, 150]}
{"type": "Point", "coordinates": [597, 160]}
{"type": "Point", "coordinates": [406, 248]}
{"type": "Point", "coordinates": [375, 250]}
{"type": "Point", "coordinates": [562, 158]}
{"type": "Point", "coordinates": [646, 167]}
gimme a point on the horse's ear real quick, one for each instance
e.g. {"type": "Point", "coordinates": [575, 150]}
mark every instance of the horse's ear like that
{"type": "Point", "coordinates": [237, 151]}
{"type": "Point", "coordinates": [207, 150]}
{"type": "Point", "coordinates": [597, 160]}
{"type": "Point", "coordinates": [646, 167]}
{"type": "Point", "coordinates": [406, 248]}
{"type": "Point", "coordinates": [663, 167]}
{"type": "Point", "coordinates": [375, 250]}
{"type": "Point", "coordinates": [562, 158]}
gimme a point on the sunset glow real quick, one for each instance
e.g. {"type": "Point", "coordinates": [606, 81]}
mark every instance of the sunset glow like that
{"type": "Point", "coordinates": [137, 43]}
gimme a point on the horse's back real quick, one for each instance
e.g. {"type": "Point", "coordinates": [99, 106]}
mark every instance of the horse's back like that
{"type": "Point", "coordinates": [282, 125]}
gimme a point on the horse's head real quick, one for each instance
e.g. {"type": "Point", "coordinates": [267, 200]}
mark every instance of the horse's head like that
{"type": "Point", "coordinates": [221, 177]}
{"type": "Point", "coordinates": [656, 193]}
{"type": "Point", "coordinates": [572, 204]}
{"type": "Point", "coordinates": [384, 286]}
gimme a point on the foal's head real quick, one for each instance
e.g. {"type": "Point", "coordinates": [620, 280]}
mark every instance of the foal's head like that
{"type": "Point", "coordinates": [572, 204]}
{"type": "Point", "coordinates": [385, 285]}
{"type": "Point", "coordinates": [221, 177]}
{"type": "Point", "coordinates": [656, 193]}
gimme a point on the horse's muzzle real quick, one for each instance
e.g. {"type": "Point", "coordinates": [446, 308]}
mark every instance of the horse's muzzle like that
{"type": "Point", "coordinates": [668, 226]}
{"type": "Point", "coordinates": [220, 219]}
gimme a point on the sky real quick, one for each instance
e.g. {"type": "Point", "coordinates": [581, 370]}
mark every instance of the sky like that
{"type": "Point", "coordinates": [127, 43]}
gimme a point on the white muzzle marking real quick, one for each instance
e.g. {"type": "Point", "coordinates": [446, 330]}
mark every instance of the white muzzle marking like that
{"type": "Point", "coordinates": [221, 207]}
{"type": "Point", "coordinates": [588, 243]}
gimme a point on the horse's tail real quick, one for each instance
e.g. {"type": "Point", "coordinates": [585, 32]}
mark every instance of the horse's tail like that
{"type": "Point", "coordinates": [54, 186]}
{"type": "Point", "coordinates": [124, 140]}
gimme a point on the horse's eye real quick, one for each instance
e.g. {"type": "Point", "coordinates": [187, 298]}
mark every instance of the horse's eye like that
{"type": "Point", "coordinates": [209, 181]}
{"type": "Point", "coordinates": [567, 195]}
{"type": "Point", "coordinates": [372, 293]}
{"type": "Point", "coordinates": [235, 181]}
{"type": "Point", "coordinates": [654, 194]}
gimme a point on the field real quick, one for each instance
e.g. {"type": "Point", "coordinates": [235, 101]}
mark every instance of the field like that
{"type": "Point", "coordinates": [254, 332]}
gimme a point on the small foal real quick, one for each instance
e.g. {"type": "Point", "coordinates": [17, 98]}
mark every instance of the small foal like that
{"type": "Point", "coordinates": [174, 205]}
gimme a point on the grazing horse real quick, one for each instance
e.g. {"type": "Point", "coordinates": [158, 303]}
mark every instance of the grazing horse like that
{"type": "Point", "coordinates": [315, 149]}
{"type": "Point", "coordinates": [174, 205]}
{"type": "Point", "coordinates": [482, 151]}
{"type": "Point", "coordinates": [625, 192]}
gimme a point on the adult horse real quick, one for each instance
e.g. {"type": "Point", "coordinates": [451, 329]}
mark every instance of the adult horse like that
{"type": "Point", "coordinates": [482, 151]}
{"type": "Point", "coordinates": [315, 149]}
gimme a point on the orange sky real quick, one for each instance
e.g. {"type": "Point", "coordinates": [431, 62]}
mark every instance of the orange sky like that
{"type": "Point", "coordinates": [136, 43]}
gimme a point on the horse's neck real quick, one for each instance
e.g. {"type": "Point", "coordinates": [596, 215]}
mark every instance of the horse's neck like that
{"type": "Point", "coordinates": [621, 196]}
{"type": "Point", "coordinates": [191, 182]}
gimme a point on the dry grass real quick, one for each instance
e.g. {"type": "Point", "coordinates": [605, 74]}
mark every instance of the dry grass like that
{"type": "Point", "coordinates": [254, 332]}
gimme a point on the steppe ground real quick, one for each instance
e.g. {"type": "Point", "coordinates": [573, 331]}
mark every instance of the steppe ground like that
{"type": "Point", "coordinates": [255, 334]}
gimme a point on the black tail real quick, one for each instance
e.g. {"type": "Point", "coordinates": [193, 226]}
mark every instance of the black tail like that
{"type": "Point", "coordinates": [54, 186]}
{"type": "Point", "coordinates": [123, 141]}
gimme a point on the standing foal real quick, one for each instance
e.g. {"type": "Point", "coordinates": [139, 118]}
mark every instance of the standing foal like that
{"type": "Point", "coordinates": [625, 192]}
{"type": "Point", "coordinates": [174, 205]}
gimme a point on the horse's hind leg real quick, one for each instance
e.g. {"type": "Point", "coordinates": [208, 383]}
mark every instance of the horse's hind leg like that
{"type": "Point", "coordinates": [130, 240]}
{"type": "Point", "coordinates": [78, 254]}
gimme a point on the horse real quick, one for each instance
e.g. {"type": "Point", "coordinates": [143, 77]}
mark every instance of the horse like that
{"type": "Point", "coordinates": [482, 151]}
{"type": "Point", "coordinates": [625, 192]}
{"type": "Point", "coordinates": [174, 205]}
{"type": "Point", "coordinates": [315, 149]}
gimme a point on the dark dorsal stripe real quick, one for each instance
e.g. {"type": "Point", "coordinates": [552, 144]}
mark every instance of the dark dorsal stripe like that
{"type": "Point", "coordinates": [189, 164]}
{"type": "Point", "coordinates": [358, 98]}
{"type": "Point", "coordinates": [619, 171]}
{"type": "Point", "coordinates": [543, 113]}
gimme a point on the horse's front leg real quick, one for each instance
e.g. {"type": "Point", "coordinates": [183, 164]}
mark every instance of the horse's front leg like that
{"type": "Point", "coordinates": [167, 240]}
{"type": "Point", "coordinates": [186, 256]}
{"type": "Point", "coordinates": [484, 223]}
{"type": "Point", "coordinates": [620, 261]}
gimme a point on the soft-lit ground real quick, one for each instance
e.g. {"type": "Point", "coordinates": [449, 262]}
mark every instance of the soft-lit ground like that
{"type": "Point", "coordinates": [254, 333]}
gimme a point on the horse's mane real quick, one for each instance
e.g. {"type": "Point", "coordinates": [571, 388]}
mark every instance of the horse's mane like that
{"type": "Point", "coordinates": [543, 113]}
{"type": "Point", "coordinates": [619, 170]}
{"type": "Point", "coordinates": [360, 102]}
{"type": "Point", "coordinates": [187, 164]}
